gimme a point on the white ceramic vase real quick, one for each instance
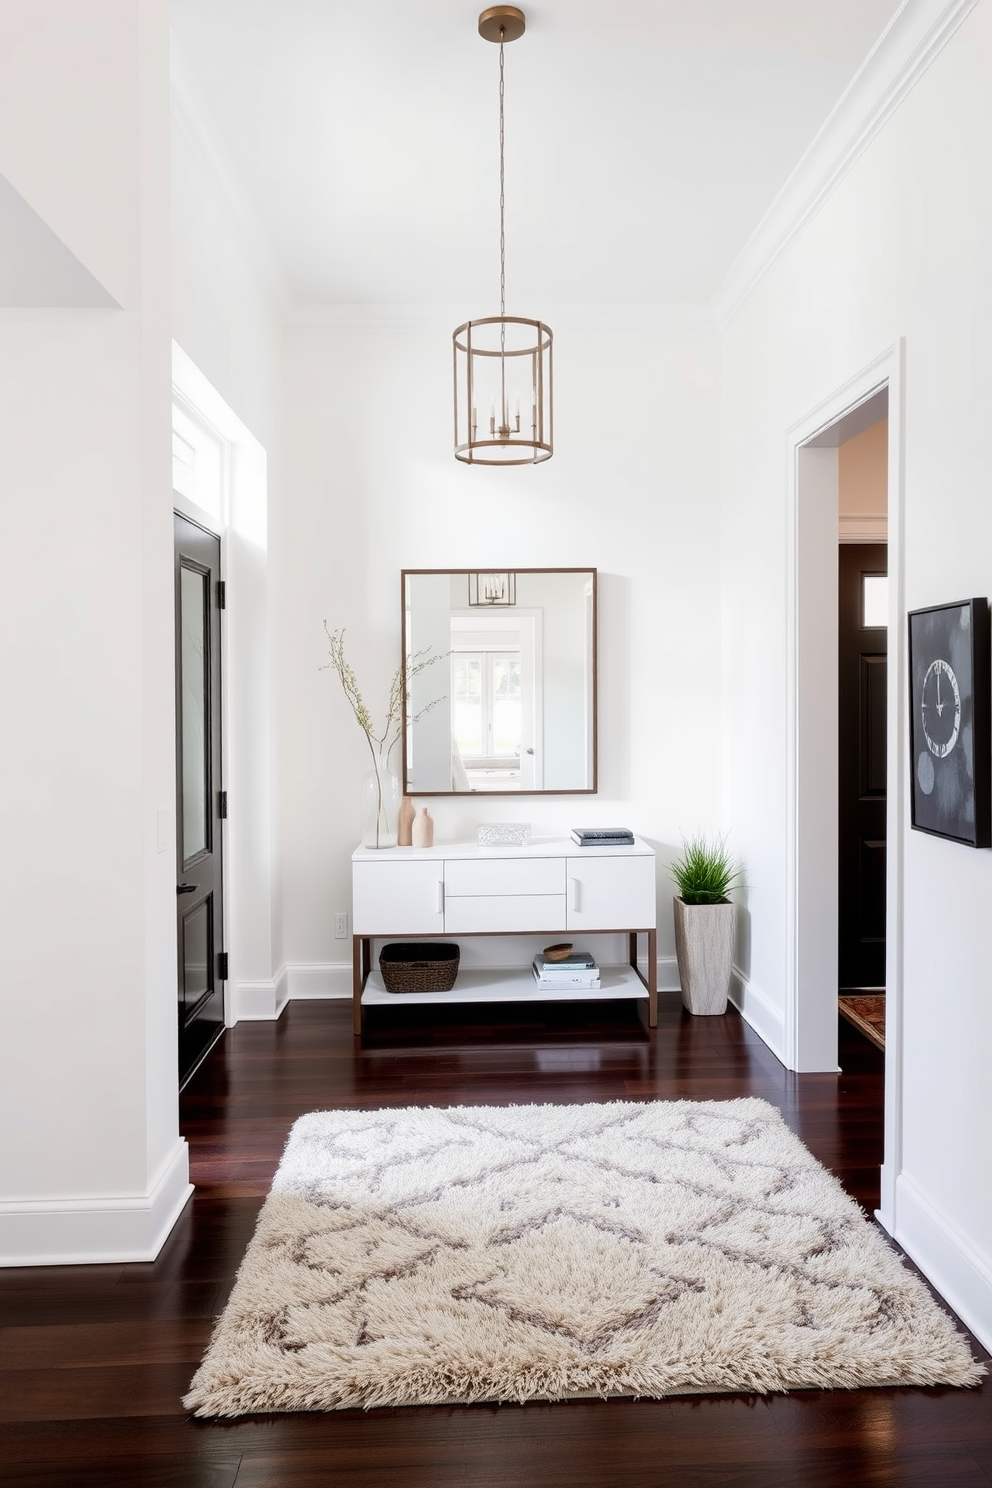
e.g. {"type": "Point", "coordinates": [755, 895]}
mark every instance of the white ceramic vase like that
{"type": "Point", "coordinates": [704, 945]}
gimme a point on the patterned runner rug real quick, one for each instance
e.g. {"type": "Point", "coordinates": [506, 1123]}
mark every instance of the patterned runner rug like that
{"type": "Point", "coordinates": [866, 1011]}
{"type": "Point", "coordinates": [428, 1256]}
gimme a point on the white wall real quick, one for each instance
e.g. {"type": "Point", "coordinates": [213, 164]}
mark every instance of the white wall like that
{"type": "Point", "coordinates": [97, 1168]}
{"type": "Point", "coordinates": [900, 249]}
{"type": "Point", "coordinates": [227, 322]}
{"type": "Point", "coordinates": [370, 486]}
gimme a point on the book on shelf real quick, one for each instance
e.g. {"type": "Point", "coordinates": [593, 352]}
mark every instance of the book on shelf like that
{"type": "Point", "coordinates": [578, 979]}
{"type": "Point", "coordinates": [574, 961]}
{"type": "Point", "coordinates": [555, 975]}
{"type": "Point", "coordinates": [602, 836]}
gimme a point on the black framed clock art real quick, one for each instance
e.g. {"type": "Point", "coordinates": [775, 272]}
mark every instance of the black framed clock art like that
{"type": "Point", "coordinates": [949, 728]}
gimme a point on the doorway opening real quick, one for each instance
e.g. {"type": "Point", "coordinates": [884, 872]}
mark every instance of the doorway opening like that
{"type": "Point", "coordinates": [863, 618]}
{"type": "Point", "coordinates": [841, 446]}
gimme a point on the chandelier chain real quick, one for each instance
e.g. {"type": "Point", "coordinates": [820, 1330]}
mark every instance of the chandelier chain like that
{"type": "Point", "coordinates": [502, 192]}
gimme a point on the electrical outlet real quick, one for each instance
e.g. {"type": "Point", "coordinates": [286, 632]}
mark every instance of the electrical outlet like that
{"type": "Point", "coordinates": [340, 927]}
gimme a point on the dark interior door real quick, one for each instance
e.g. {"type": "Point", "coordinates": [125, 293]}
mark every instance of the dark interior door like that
{"type": "Point", "coordinates": [199, 867]}
{"type": "Point", "coordinates": [863, 692]}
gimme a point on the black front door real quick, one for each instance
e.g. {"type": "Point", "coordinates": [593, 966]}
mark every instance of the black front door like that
{"type": "Point", "coordinates": [199, 800]}
{"type": "Point", "coordinates": [863, 695]}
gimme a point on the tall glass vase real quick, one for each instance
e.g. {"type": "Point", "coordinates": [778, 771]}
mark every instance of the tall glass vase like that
{"type": "Point", "coordinates": [380, 806]}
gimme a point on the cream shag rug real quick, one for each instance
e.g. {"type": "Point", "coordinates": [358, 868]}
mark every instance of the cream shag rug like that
{"type": "Point", "coordinates": [426, 1256]}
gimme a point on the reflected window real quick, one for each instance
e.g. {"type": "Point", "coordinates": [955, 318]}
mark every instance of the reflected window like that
{"type": "Point", "coordinates": [466, 685]}
{"type": "Point", "coordinates": [487, 706]}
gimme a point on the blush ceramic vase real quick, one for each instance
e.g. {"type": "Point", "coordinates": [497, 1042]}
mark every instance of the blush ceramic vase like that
{"type": "Point", "coordinates": [404, 823]}
{"type": "Point", "coordinates": [423, 828]}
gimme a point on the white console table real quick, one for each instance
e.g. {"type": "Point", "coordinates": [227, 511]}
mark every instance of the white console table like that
{"type": "Point", "coordinates": [552, 888]}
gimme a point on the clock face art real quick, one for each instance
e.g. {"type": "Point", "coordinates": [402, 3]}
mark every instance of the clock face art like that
{"type": "Point", "coordinates": [949, 658]}
{"type": "Point", "coordinates": [941, 708]}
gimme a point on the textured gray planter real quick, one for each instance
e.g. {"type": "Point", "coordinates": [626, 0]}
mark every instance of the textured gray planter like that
{"type": "Point", "coordinates": [704, 944]}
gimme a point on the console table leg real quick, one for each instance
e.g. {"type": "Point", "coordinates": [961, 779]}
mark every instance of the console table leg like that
{"type": "Point", "coordinates": [652, 978]}
{"type": "Point", "coordinates": [361, 960]}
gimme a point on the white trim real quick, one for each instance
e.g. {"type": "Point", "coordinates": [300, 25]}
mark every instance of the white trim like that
{"type": "Point", "coordinates": [191, 114]}
{"type": "Point", "coordinates": [961, 1274]}
{"type": "Point", "coordinates": [915, 36]}
{"type": "Point", "coordinates": [96, 1231]}
{"type": "Point", "coordinates": [863, 527]}
{"type": "Point", "coordinates": [759, 1012]}
{"type": "Point", "coordinates": [897, 788]}
{"type": "Point", "coordinates": [811, 843]}
{"type": "Point", "coordinates": [312, 981]}
{"type": "Point", "coordinates": [261, 1001]}
{"type": "Point", "coordinates": [668, 974]}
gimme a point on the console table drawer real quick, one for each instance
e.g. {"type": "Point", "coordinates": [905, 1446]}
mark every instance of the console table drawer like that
{"type": "Point", "coordinates": [501, 876]}
{"type": "Point", "coordinates": [504, 914]}
{"type": "Point", "coordinates": [397, 898]}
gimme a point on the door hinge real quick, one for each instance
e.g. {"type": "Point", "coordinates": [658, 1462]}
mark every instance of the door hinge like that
{"type": "Point", "coordinates": [222, 804]}
{"type": "Point", "coordinates": [222, 969]}
{"type": "Point", "coordinates": [221, 594]}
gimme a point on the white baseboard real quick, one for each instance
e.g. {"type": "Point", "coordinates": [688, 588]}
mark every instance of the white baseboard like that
{"type": "Point", "coordinates": [260, 1001]}
{"type": "Point", "coordinates": [98, 1231]}
{"type": "Point", "coordinates": [310, 982]}
{"type": "Point", "coordinates": [759, 1013]}
{"type": "Point", "coordinates": [962, 1276]}
{"type": "Point", "coordinates": [668, 975]}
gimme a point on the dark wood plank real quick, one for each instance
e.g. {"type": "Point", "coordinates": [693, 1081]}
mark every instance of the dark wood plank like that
{"type": "Point", "coordinates": [95, 1360]}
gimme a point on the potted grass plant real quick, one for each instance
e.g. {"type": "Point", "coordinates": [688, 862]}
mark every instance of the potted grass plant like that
{"type": "Point", "coordinates": [704, 875]}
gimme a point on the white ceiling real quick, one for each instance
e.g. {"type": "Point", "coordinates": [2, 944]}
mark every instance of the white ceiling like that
{"type": "Point", "coordinates": [645, 138]}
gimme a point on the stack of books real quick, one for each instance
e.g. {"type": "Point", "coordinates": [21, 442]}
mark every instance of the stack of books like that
{"type": "Point", "coordinates": [578, 969]}
{"type": "Point", "coordinates": [602, 836]}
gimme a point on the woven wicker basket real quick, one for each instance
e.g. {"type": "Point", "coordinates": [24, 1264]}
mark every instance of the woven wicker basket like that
{"type": "Point", "coordinates": [419, 966]}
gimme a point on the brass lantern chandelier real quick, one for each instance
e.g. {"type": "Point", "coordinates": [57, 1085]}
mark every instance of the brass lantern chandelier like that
{"type": "Point", "coordinates": [503, 383]}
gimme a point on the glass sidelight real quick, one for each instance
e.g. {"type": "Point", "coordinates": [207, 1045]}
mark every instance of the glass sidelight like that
{"type": "Point", "coordinates": [195, 651]}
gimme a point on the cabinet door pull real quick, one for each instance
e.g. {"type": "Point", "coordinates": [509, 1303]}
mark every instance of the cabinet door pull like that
{"type": "Point", "coordinates": [440, 896]}
{"type": "Point", "coordinates": [573, 886]}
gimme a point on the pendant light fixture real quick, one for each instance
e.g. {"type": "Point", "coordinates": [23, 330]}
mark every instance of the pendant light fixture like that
{"type": "Point", "coordinates": [503, 387]}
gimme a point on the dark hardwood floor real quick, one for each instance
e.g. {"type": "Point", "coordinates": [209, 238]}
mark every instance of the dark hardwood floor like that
{"type": "Point", "coordinates": [94, 1359]}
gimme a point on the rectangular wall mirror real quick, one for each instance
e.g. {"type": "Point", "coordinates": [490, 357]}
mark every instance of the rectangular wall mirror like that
{"type": "Point", "coordinates": [501, 681]}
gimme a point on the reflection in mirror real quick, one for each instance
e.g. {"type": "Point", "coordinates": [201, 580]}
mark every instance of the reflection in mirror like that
{"type": "Point", "coordinates": [511, 706]}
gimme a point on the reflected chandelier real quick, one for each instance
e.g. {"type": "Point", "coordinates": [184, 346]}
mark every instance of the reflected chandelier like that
{"type": "Point", "coordinates": [503, 362]}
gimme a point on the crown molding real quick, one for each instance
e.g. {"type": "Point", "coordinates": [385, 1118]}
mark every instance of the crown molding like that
{"type": "Point", "coordinates": [915, 36]}
{"type": "Point", "coordinates": [570, 319]}
{"type": "Point", "coordinates": [864, 527]}
{"type": "Point", "coordinates": [191, 114]}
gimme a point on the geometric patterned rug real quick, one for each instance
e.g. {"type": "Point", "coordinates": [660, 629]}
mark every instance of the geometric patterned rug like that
{"type": "Point", "coordinates": [442, 1256]}
{"type": "Point", "coordinates": [866, 1012]}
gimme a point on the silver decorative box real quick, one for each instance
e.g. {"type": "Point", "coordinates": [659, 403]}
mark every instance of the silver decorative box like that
{"type": "Point", "coordinates": [504, 834]}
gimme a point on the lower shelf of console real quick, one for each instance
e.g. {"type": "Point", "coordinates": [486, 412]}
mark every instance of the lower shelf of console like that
{"type": "Point", "coordinates": [513, 984]}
